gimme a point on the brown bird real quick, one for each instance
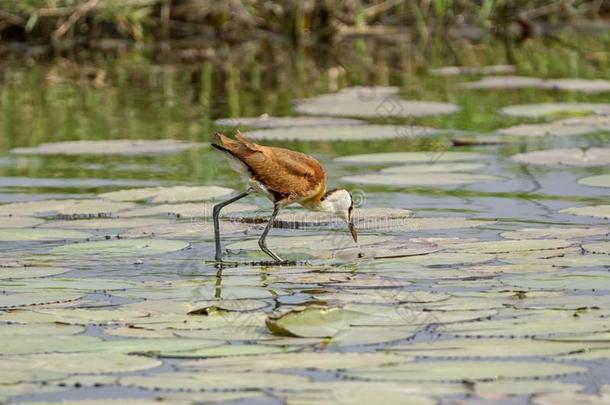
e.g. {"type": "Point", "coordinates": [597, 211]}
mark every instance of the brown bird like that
{"type": "Point", "coordinates": [285, 177]}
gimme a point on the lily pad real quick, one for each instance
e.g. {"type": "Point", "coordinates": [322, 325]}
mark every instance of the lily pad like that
{"type": "Point", "coordinates": [598, 247]}
{"type": "Point", "coordinates": [492, 348]}
{"type": "Point", "coordinates": [544, 110]}
{"type": "Point", "coordinates": [555, 232]}
{"type": "Point", "coordinates": [187, 230]}
{"type": "Point", "coordinates": [331, 241]}
{"type": "Point", "coordinates": [423, 179]}
{"type": "Point", "coordinates": [370, 102]}
{"type": "Point", "coordinates": [164, 195]}
{"type": "Point", "coordinates": [571, 281]}
{"type": "Point", "coordinates": [494, 388]}
{"type": "Point", "coordinates": [570, 398]}
{"type": "Point", "coordinates": [549, 129]}
{"type": "Point", "coordinates": [198, 381]}
{"type": "Point", "coordinates": [121, 248]}
{"type": "Point", "coordinates": [27, 344]}
{"type": "Point", "coordinates": [19, 222]}
{"type": "Point", "coordinates": [267, 121]}
{"type": "Point", "coordinates": [596, 181]}
{"type": "Point", "coordinates": [566, 157]}
{"type": "Point", "coordinates": [582, 85]}
{"type": "Point", "coordinates": [79, 363]}
{"type": "Point", "coordinates": [222, 351]}
{"type": "Point", "coordinates": [9, 273]}
{"type": "Point", "coordinates": [311, 322]}
{"type": "Point", "coordinates": [106, 223]}
{"type": "Point", "coordinates": [504, 82]}
{"type": "Point", "coordinates": [40, 235]}
{"type": "Point", "coordinates": [28, 299]}
{"type": "Point", "coordinates": [510, 246]}
{"type": "Point", "coordinates": [598, 211]}
{"type": "Point", "coordinates": [342, 133]}
{"type": "Point", "coordinates": [472, 70]}
{"type": "Point", "coordinates": [434, 167]}
{"type": "Point", "coordinates": [411, 157]}
{"type": "Point", "coordinates": [187, 210]}
{"type": "Point", "coordinates": [119, 147]}
{"type": "Point", "coordinates": [69, 208]}
{"type": "Point", "coordinates": [465, 370]}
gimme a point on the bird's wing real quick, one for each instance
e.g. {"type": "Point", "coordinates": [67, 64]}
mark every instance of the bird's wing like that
{"type": "Point", "coordinates": [289, 175]}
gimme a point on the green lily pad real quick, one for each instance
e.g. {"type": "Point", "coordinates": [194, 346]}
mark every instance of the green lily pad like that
{"type": "Point", "coordinates": [370, 102]}
{"type": "Point", "coordinates": [543, 110]}
{"type": "Point", "coordinates": [411, 157]}
{"type": "Point", "coordinates": [25, 344]}
{"type": "Point", "coordinates": [328, 361]}
{"type": "Point", "coordinates": [79, 363]}
{"type": "Point", "coordinates": [423, 179]}
{"type": "Point", "coordinates": [441, 258]}
{"type": "Point", "coordinates": [311, 322]}
{"type": "Point", "coordinates": [197, 381]}
{"type": "Point", "coordinates": [40, 235]}
{"type": "Point", "coordinates": [222, 351]}
{"type": "Point", "coordinates": [187, 230]}
{"type": "Point", "coordinates": [119, 147]}
{"type": "Point", "coordinates": [28, 299]}
{"type": "Point", "coordinates": [566, 157]}
{"type": "Point", "coordinates": [504, 82]}
{"type": "Point", "coordinates": [333, 240]}
{"type": "Point", "coordinates": [510, 246]}
{"type": "Point", "coordinates": [373, 335]}
{"type": "Point", "coordinates": [19, 222]}
{"type": "Point", "coordinates": [564, 261]}
{"type": "Point", "coordinates": [581, 85]}
{"type": "Point", "coordinates": [14, 331]}
{"type": "Point", "coordinates": [10, 273]}
{"type": "Point", "coordinates": [425, 224]}
{"type": "Point", "coordinates": [434, 167]}
{"type": "Point", "coordinates": [555, 232]}
{"type": "Point", "coordinates": [576, 281]}
{"type": "Point", "coordinates": [512, 387]}
{"type": "Point", "coordinates": [548, 129]}
{"type": "Point", "coordinates": [267, 121]}
{"type": "Point", "coordinates": [598, 247]}
{"type": "Point", "coordinates": [472, 70]}
{"type": "Point", "coordinates": [72, 316]}
{"type": "Point", "coordinates": [121, 248]}
{"type": "Point", "coordinates": [570, 398]}
{"type": "Point", "coordinates": [598, 211]}
{"type": "Point", "coordinates": [596, 181]}
{"type": "Point", "coordinates": [493, 348]}
{"type": "Point", "coordinates": [465, 370]}
{"type": "Point", "coordinates": [187, 210]}
{"type": "Point", "coordinates": [342, 133]}
{"type": "Point", "coordinates": [12, 376]}
{"type": "Point", "coordinates": [62, 208]}
{"type": "Point", "coordinates": [164, 195]}
{"type": "Point", "coordinates": [106, 223]}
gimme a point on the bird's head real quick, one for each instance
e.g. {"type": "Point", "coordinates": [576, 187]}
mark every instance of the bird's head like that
{"type": "Point", "coordinates": [341, 203]}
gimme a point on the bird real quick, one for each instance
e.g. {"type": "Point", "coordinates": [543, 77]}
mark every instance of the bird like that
{"type": "Point", "coordinates": [285, 177]}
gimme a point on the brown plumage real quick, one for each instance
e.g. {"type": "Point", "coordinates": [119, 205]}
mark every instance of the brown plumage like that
{"type": "Point", "coordinates": [289, 176]}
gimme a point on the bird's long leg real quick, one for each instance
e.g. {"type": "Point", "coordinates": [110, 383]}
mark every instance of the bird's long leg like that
{"type": "Point", "coordinates": [216, 217]}
{"type": "Point", "coordinates": [262, 241]}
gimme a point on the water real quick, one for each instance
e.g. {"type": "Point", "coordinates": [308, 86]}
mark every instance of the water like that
{"type": "Point", "coordinates": [57, 102]}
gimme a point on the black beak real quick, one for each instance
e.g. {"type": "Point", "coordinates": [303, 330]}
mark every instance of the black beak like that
{"type": "Point", "coordinates": [352, 229]}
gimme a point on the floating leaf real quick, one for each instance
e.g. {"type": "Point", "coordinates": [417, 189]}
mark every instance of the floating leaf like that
{"type": "Point", "coordinates": [187, 230]}
{"type": "Point", "coordinates": [554, 232]}
{"type": "Point", "coordinates": [570, 398]}
{"type": "Point", "coordinates": [582, 85]}
{"type": "Point", "coordinates": [14, 331]}
{"type": "Point", "coordinates": [410, 157]}
{"type": "Point", "coordinates": [596, 181]}
{"type": "Point", "coordinates": [121, 248]}
{"type": "Point", "coordinates": [188, 210]}
{"type": "Point", "coordinates": [598, 247]}
{"type": "Point", "coordinates": [472, 70]}
{"type": "Point", "coordinates": [434, 167]}
{"type": "Point", "coordinates": [19, 222]}
{"type": "Point", "coordinates": [504, 82]}
{"type": "Point", "coordinates": [370, 102]}
{"type": "Point", "coordinates": [267, 121]}
{"type": "Point", "coordinates": [423, 179]}
{"type": "Point", "coordinates": [30, 272]}
{"type": "Point", "coordinates": [543, 110]}
{"type": "Point", "coordinates": [465, 370]}
{"type": "Point", "coordinates": [85, 363]}
{"type": "Point", "coordinates": [19, 345]}
{"type": "Point", "coordinates": [13, 376]}
{"type": "Point", "coordinates": [69, 208]}
{"type": "Point", "coordinates": [548, 129]}
{"type": "Point", "coordinates": [510, 246]}
{"type": "Point", "coordinates": [334, 240]}
{"type": "Point", "coordinates": [311, 322]}
{"type": "Point", "coordinates": [222, 351]}
{"type": "Point", "coordinates": [163, 195]}
{"type": "Point", "coordinates": [106, 223]}
{"type": "Point", "coordinates": [566, 157]}
{"type": "Point", "coordinates": [27, 299]}
{"type": "Point", "coordinates": [119, 147]}
{"type": "Point", "coordinates": [40, 235]}
{"type": "Point", "coordinates": [492, 348]}
{"type": "Point", "coordinates": [342, 133]}
{"type": "Point", "coordinates": [512, 387]}
{"type": "Point", "coordinates": [599, 211]}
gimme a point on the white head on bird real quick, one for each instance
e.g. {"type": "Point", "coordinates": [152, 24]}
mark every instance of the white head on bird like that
{"type": "Point", "coordinates": [285, 177]}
